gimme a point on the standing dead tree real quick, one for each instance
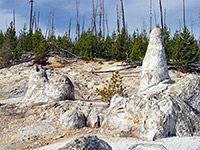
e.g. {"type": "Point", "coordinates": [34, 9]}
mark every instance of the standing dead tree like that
{"type": "Point", "coordinates": [47, 33]}
{"type": "Point", "coordinates": [150, 16]}
{"type": "Point", "coordinates": [118, 20]}
{"type": "Point", "coordinates": [107, 23]}
{"type": "Point", "coordinates": [161, 15]}
{"type": "Point", "coordinates": [123, 18]}
{"type": "Point", "coordinates": [38, 23]}
{"type": "Point", "coordinates": [52, 24]}
{"type": "Point", "coordinates": [77, 21]}
{"type": "Point", "coordinates": [31, 15]}
{"type": "Point", "coordinates": [184, 13]}
{"type": "Point", "coordinates": [14, 18]}
{"type": "Point", "coordinates": [83, 25]}
{"type": "Point", "coordinates": [69, 32]}
{"type": "Point", "coordinates": [100, 15]}
{"type": "Point", "coordinates": [94, 14]}
{"type": "Point", "coordinates": [103, 8]}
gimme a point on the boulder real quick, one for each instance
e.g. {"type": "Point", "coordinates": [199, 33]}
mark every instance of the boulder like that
{"type": "Point", "coordinates": [95, 117]}
{"type": "Point", "coordinates": [49, 88]}
{"type": "Point", "coordinates": [73, 119]}
{"type": "Point", "coordinates": [154, 66]}
{"type": "Point", "coordinates": [87, 143]}
{"type": "Point", "coordinates": [147, 146]}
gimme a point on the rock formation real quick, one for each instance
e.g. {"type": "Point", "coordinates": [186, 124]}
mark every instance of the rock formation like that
{"type": "Point", "coordinates": [154, 66]}
{"type": "Point", "coordinates": [172, 112]}
{"type": "Point", "coordinates": [160, 109]}
{"type": "Point", "coordinates": [87, 143]}
{"type": "Point", "coordinates": [45, 88]}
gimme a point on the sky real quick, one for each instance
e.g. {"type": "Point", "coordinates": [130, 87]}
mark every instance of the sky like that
{"type": "Point", "coordinates": [136, 14]}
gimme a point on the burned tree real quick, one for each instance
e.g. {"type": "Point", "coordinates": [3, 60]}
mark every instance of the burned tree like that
{"type": "Point", "coordinates": [161, 15]}
{"type": "Point", "coordinates": [31, 14]}
{"type": "Point", "coordinates": [123, 18]}
{"type": "Point", "coordinates": [100, 15]}
{"type": "Point", "coordinates": [70, 20]}
{"type": "Point", "coordinates": [77, 21]}
{"type": "Point", "coordinates": [118, 20]}
{"type": "Point", "coordinates": [150, 16]}
{"type": "Point", "coordinates": [184, 24]}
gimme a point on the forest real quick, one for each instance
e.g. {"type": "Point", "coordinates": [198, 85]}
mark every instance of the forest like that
{"type": "Point", "coordinates": [181, 48]}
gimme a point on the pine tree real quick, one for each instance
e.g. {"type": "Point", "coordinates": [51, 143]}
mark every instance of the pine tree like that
{"type": "Point", "coordinates": [8, 51]}
{"type": "Point", "coordinates": [23, 40]}
{"type": "Point", "coordinates": [121, 46]}
{"type": "Point", "coordinates": [185, 49]}
{"type": "Point", "coordinates": [39, 47]}
{"type": "Point", "coordinates": [1, 38]}
{"type": "Point", "coordinates": [167, 42]}
{"type": "Point", "coordinates": [108, 50]}
{"type": "Point", "coordinates": [140, 43]}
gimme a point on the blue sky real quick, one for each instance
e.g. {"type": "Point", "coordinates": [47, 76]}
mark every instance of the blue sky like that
{"type": "Point", "coordinates": [136, 13]}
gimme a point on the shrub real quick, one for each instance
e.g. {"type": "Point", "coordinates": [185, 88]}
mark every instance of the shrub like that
{"type": "Point", "coordinates": [114, 86]}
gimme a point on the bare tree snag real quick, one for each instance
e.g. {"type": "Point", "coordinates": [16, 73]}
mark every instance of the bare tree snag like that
{"type": "Point", "coordinates": [118, 20]}
{"type": "Point", "coordinates": [33, 20]}
{"type": "Point", "coordinates": [47, 33]}
{"type": "Point", "coordinates": [14, 19]}
{"type": "Point", "coordinates": [161, 15]}
{"type": "Point", "coordinates": [150, 16]}
{"type": "Point", "coordinates": [103, 8]}
{"type": "Point", "coordinates": [100, 15]}
{"type": "Point", "coordinates": [31, 14]}
{"type": "Point", "coordinates": [184, 13]}
{"type": "Point", "coordinates": [77, 21]}
{"type": "Point", "coordinates": [123, 18]}
{"type": "Point", "coordinates": [52, 24]}
{"type": "Point", "coordinates": [107, 23]}
{"type": "Point", "coordinates": [83, 25]}
{"type": "Point", "coordinates": [38, 24]}
{"type": "Point", "coordinates": [70, 20]}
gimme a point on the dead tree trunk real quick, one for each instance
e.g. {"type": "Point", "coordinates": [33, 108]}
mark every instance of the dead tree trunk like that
{"type": "Point", "coordinates": [77, 21]}
{"type": "Point", "coordinates": [52, 24]}
{"type": "Point", "coordinates": [123, 18]}
{"type": "Point", "coordinates": [14, 19]}
{"type": "Point", "coordinates": [83, 25]}
{"type": "Point", "coordinates": [94, 29]}
{"type": "Point", "coordinates": [150, 16]}
{"type": "Point", "coordinates": [69, 29]}
{"type": "Point", "coordinates": [107, 24]}
{"type": "Point", "coordinates": [161, 15]}
{"type": "Point", "coordinates": [38, 24]}
{"type": "Point", "coordinates": [100, 15]}
{"type": "Point", "coordinates": [33, 20]}
{"type": "Point", "coordinates": [184, 13]}
{"type": "Point", "coordinates": [47, 33]}
{"type": "Point", "coordinates": [31, 14]}
{"type": "Point", "coordinates": [103, 8]}
{"type": "Point", "coordinates": [118, 20]}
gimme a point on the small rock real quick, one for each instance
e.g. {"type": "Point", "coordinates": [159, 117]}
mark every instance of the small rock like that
{"type": "Point", "coordinates": [147, 146]}
{"type": "Point", "coordinates": [87, 143]}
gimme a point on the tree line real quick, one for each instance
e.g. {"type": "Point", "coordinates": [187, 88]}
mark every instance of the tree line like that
{"type": "Point", "coordinates": [181, 49]}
